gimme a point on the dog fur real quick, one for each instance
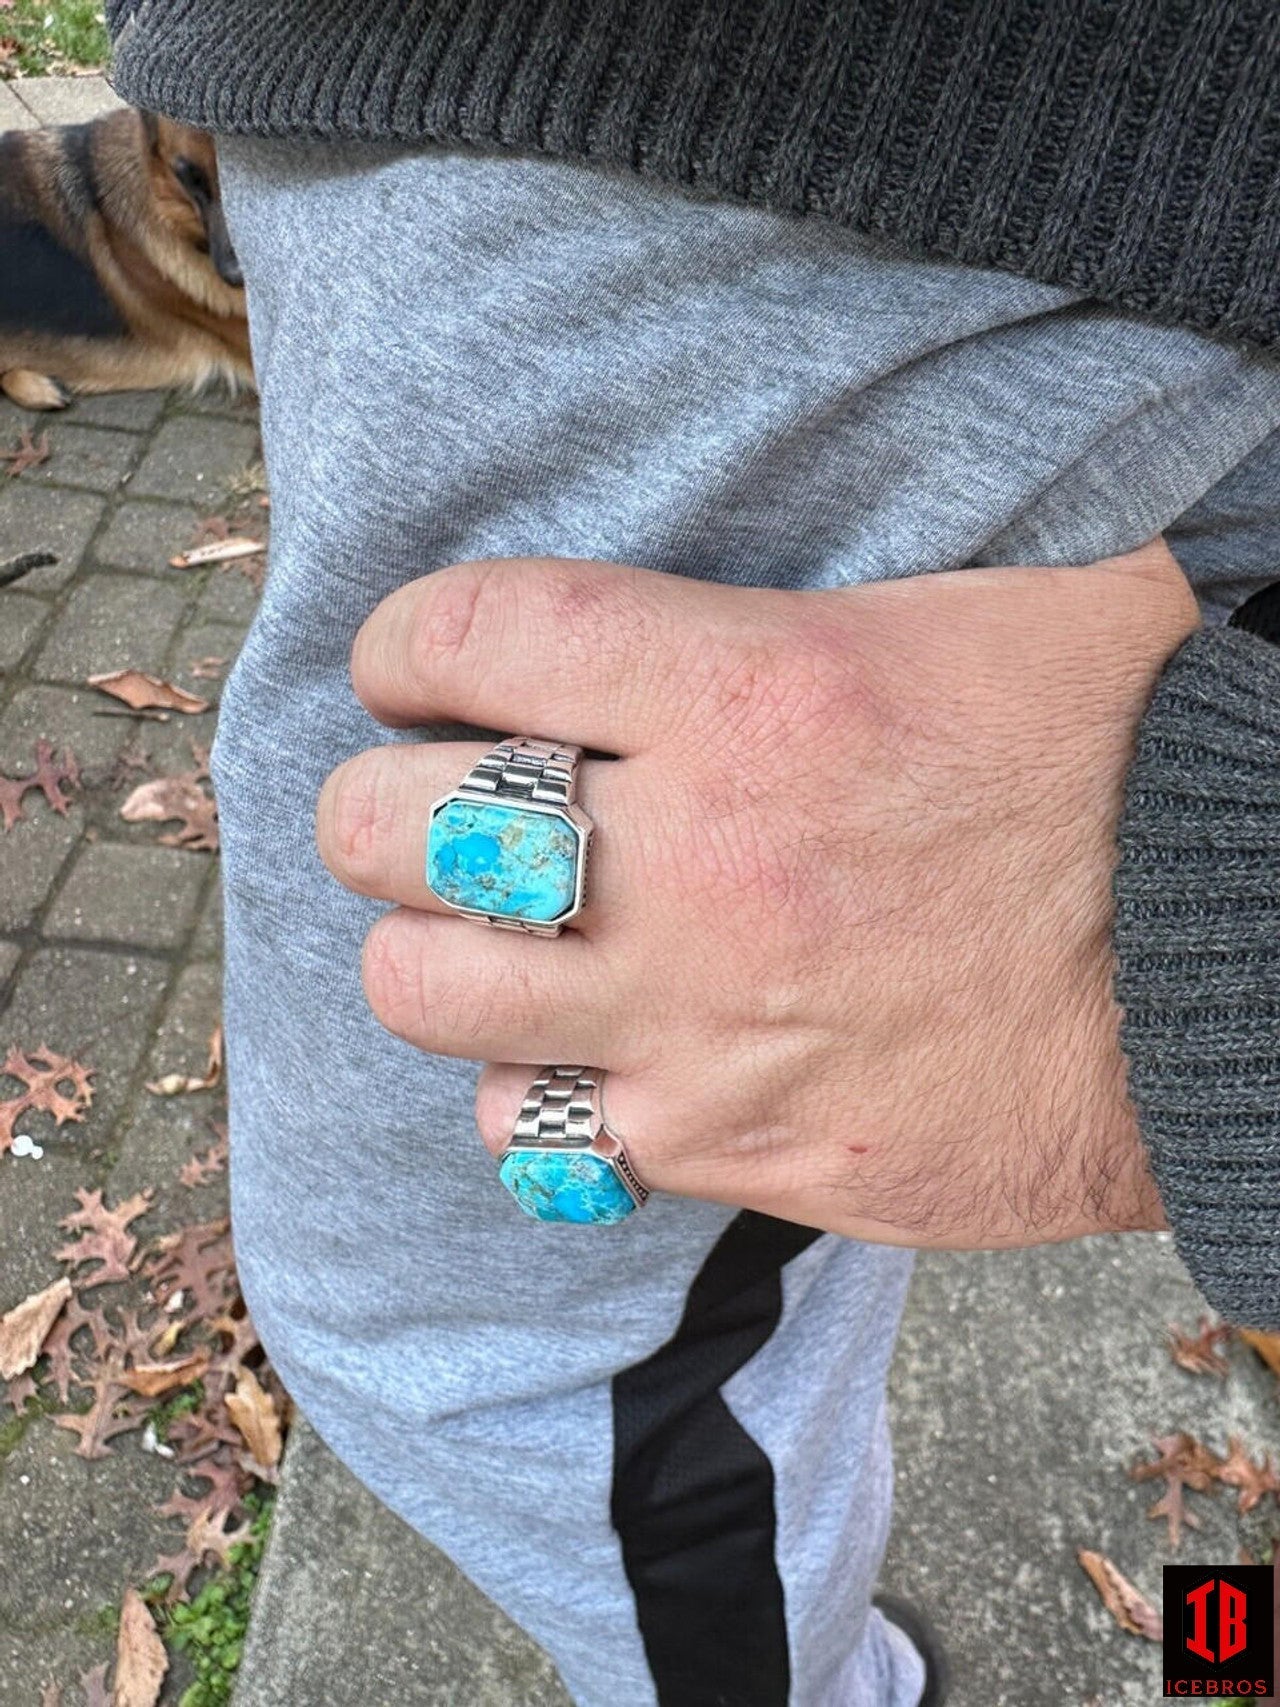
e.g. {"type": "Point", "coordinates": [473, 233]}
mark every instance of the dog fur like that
{"type": "Point", "coordinates": [116, 270]}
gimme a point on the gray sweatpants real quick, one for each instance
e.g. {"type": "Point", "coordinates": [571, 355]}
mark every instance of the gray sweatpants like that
{"type": "Point", "coordinates": [660, 1446]}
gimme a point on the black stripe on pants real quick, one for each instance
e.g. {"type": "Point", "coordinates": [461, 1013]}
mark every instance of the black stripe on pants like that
{"type": "Point", "coordinates": [692, 1493]}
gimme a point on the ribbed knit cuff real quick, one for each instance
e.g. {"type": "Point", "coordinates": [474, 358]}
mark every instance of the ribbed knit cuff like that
{"type": "Point", "coordinates": [1197, 938]}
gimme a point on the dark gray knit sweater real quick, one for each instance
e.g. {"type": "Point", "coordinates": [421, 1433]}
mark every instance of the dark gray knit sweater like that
{"type": "Point", "coordinates": [1126, 148]}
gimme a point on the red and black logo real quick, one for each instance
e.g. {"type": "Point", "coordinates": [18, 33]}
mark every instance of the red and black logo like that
{"type": "Point", "coordinates": [1219, 1631]}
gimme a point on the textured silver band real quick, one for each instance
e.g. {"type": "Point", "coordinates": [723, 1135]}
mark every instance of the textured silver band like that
{"type": "Point", "coordinates": [562, 1111]}
{"type": "Point", "coordinates": [522, 768]}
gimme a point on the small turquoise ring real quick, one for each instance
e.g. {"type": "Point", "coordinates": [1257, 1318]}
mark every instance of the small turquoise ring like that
{"type": "Point", "coordinates": [509, 845]}
{"type": "Point", "coordinates": [562, 1163]}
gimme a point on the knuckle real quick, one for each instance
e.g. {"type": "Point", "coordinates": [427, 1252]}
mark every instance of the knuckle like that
{"type": "Point", "coordinates": [460, 615]}
{"type": "Point", "coordinates": [358, 815]}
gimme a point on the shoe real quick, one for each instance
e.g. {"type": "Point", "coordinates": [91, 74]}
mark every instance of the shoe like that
{"type": "Point", "coordinates": [914, 1624]}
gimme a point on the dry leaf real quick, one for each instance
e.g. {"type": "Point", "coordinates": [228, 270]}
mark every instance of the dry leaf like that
{"type": "Point", "coordinates": [26, 1327]}
{"type": "Point", "coordinates": [51, 1695]}
{"type": "Point", "coordinates": [1253, 1481]}
{"type": "Point", "coordinates": [197, 1260]}
{"type": "Point", "coordinates": [220, 551]}
{"type": "Point", "coordinates": [252, 1409]}
{"type": "Point", "coordinates": [100, 1423]}
{"type": "Point", "coordinates": [44, 1073]}
{"type": "Point", "coordinates": [1183, 1462]}
{"type": "Point", "coordinates": [153, 1379]}
{"type": "Point", "coordinates": [1131, 1610]}
{"type": "Point", "coordinates": [141, 1661]}
{"type": "Point", "coordinates": [103, 1235]}
{"type": "Point", "coordinates": [28, 453]}
{"type": "Point", "coordinates": [179, 797]}
{"type": "Point", "coordinates": [201, 1169]}
{"type": "Point", "coordinates": [208, 669]}
{"type": "Point", "coordinates": [178, 1084]}
{"type": "Point", "coordinates": [1198, 1354]}
{"type": "Point", "coordinates": [1267, 1347]}
{"type": "Point", "coordinates": [144, 692]}
{"type": "Point", "coordinates": [48, 776]}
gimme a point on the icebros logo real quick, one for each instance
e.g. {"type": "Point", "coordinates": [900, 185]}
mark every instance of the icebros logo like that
{"type": "Point", "coordinates": [1219, 1630]}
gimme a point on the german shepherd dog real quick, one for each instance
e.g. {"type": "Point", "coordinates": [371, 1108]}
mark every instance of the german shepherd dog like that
{"type": "Point", "coordinates": [116, 270]}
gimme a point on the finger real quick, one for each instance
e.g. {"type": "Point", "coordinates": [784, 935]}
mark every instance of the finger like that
{"type": "Point", "coordinates": [372, 822]}
{"type": "Point", "coordinates": [453, 988]}
{"type": "Point", "coordinates": [602, 654]}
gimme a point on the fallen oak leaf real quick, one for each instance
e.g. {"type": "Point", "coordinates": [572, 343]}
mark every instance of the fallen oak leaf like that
{"type": "Point", "coordinates": [1198, 1353]}
{"type": "Point", "coordinates": [179, 1084]}
{"type": "Point", "coordinates": [1130, 1608]}
{"type": "Point", "coordinates": [25, 1328]}
{"type": "Point", "coordinates": [153, 1379]}
{"type": "Point", "coordinates": [252, 1409]}
{"type": "Point", "coordinates": [201, 1169]}
{"type": "Point", "coordinates": [147, 693]}
{"type": "Point", "coordinates": [208, 669]}
{"type": "Point", "coordinates": [104, 1235]}
{"type": "Point", "coordinates": [100, 1423]}
{"type": "Point", "coordinates": [141, 1660]}
{"type": "Point", "coordinates": [51, 1695]}
{"type": "Point", "coordinates": [28, 453]}
{"type": "Point", "coordinates": [179, 797]}
{"type": "Point", "coordinates": [1183, 1462]}
{"type": "Point", "coordinates": [44, 1073]}
{"type": "Point", "coordinates": [219, 551]}
{"type": "Point", "coordinates": [49, 776]}
{"type": "Point", "coordinates": [1266, 1346]}
{"type": "Point", "coordinates": [19, 1390]}
{"type": "Point", "coordinates": [1252, 1481]}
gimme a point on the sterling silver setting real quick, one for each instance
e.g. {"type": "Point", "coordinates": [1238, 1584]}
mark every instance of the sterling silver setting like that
{"type": "Point", "coordinates": [534, 776]}
{"type": "Point", "coordinates": [562, 1115]}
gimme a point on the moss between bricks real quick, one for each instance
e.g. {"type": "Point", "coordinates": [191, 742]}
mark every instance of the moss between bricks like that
{"type": "Point", "coordinates": [210, 1629]}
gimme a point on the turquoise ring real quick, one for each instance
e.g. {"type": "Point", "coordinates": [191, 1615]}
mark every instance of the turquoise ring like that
{"type": "Point", "coordinates": [509, 845]}
{"type": "Point", "coordinates": [562, 1163]}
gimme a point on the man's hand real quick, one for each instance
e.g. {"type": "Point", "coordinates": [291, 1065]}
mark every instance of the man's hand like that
{"type": "Point", "coordinates": [846, 948]}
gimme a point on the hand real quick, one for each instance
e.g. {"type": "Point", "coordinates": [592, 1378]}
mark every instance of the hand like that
{"type": "Point", "coordinates": [846, 948]}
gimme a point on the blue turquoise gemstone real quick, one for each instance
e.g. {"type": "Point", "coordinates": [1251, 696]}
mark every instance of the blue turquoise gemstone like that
{"type": "Point", "coordinates": [502, 859]}
{"type": "Point", "coordinates": [560, 1185]}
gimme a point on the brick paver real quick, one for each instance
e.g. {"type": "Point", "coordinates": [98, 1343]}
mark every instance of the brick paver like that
{"type": "Point", "coordinates": [109, 945]}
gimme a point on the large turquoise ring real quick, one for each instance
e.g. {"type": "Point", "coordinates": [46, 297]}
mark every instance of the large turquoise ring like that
{"type": "Point", "coordinates": [509, 845]}
{"type": "Point", "coordinates": [562, 1163]}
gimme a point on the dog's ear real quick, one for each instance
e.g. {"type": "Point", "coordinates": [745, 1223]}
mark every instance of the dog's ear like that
{"type": "Point", "coordinates": [151, 130]}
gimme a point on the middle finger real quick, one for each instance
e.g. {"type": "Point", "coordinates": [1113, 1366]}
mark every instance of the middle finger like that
{"type": "Point", "coordinates": [372, 822]}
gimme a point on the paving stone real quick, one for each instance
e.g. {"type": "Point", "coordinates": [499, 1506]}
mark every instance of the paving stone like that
{"type": "Point", "coordinates": [33, 518]}
{"type": "Point", "coordinates": [33, 854]}
{"type": "Point", "coordinates": [141, 895]}
{"type": "Point", "coordinates": [216, 399]}
{"type": "Point", "coordinates": [20, 619]}
{"type": "Point", "coordinates": [206, 640]}
{"type": "Point", "coordinates": [65, 716]}
{"type": "Point", "coordinates": [207, 942]}
{"type": "Point", "coordinates": [13, 115]}
{"type": "Point", "coordinates": [164, 1133]}
{"type": "Point", "coordinates": [228, 597]}
{"type": "Point", "coordinates": [334, 1551]}
{"type": "Point", "coordinates": [145, 535]}
{"type": "Point", "coordinates": [112, 623]}
{"type": "Point", "coordinates": [98, 1007]}
{"type": "Point", "coordinates": [132, 411]}
{"type": "Point", "coordinates": [194, 458]}
{"type": "Point", "coordinates": [10, 954]}
{"type": "Point", "coordinates": [86, 456]}
{"type": "Point", "coordinates": [67, 100]}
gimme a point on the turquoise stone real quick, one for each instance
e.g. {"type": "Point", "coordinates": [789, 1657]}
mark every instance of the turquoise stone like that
{"type": "Point", "coordinates": [560, 1185]}
{"type": "Point", "coordinates": [502, 859]}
